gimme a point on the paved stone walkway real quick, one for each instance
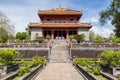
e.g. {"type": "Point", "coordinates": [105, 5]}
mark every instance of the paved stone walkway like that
{"type": "Point", "coordinates": [59, 71]}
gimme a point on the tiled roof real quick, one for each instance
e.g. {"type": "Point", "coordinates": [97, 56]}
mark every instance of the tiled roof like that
{"type": "Point", "coordinates": [80, 25]}
{"type": "Point", "coordinates": [59, 11]}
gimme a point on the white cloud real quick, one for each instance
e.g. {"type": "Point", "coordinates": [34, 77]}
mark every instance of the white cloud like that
{"type": "Point", "coordinates": [103, 31]}
{"type": "Point", "coordinates": [20, 15]}
{"type": "Point", "coordinates": [90, 20]}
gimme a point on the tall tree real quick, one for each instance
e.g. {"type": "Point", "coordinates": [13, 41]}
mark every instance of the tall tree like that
{"type": "Point", "coordinates": [21, 35]}
{"type": "Point", "coordinates": [3, 35]}
{"type": "Point", "coordinates": [5, 23]}
{"type": "Point", "coordinates": [112, 13]}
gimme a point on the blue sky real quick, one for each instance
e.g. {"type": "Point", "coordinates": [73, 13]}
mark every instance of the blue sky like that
{"type": "Point", "coordinates": [21, 12]}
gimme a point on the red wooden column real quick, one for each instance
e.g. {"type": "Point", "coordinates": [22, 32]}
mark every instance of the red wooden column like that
{"type": "Point", "coordinates": [67, 36]}
{"type": "Point", "coordinates": [52, 35]}
{"type": "Point", "coordinates": [76, 31]}
{"type": "Point", "coordinates": [43, 32]}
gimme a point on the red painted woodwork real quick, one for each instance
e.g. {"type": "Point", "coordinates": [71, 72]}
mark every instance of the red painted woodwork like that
{"type": "Point", "coordinates": [61, 20]}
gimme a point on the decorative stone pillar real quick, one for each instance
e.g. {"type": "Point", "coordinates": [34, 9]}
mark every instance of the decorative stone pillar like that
{"type": "Point", "coordinates": [67, 36]}
{"type": "Point", "coordinates": [52, 35]}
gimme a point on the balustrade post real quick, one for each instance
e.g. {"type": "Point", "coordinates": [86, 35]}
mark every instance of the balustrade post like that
{"type": "Point", "coordinates": [48, 45]}
{"type": "Point", "coordinates": [71, 46]}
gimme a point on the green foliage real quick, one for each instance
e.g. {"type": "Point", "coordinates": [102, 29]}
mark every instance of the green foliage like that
{"type": "Point", "coordinates": [11, 37]}
{"type": "Point", "coordinates": [7, 56]}
{"type": "Point", "coordinates": [92, 35]}
{"type": "Point", "coordinates": [23, 70]}
{"type": "Point", "coordinates": [112, 13]}
{"type": "Point", "coordinates": [112, 37]}
{"type": "Point", "coordinates": [37, 60]}
{"type": "Point", "coordinates": [80, 37]}
{"type": "Point", "coordinates": [111, 58]}
{"type": "Point", "coordinates": [99, 39]}
{"type": "Point", "coordinates": [28, 30]}
{"type": "Point", "coordinates": [72, 37]}
{"type": "Point", "coordinates": [5, 23]}
{"type": "Point", "coordinates": [119, 77]}
{"type": "Point", "coordinates": [0, 40]}
{"type": "Point", "coordinates": [27, 65]}
{"type": "Point", "coordinates": [81, 61]}
{"type": "Point", "coordinates": [48, 37]}
{"type": "Point", "coordinates": [22, 36]}
{"type": "Point", "coordinates": [3, 35]}
{"type": "Point", "coordinates": [38, 38]}
{"type": "Point", "coordinates": [91, 66]}
{"type": "Point", "coordinates": [117, 40]}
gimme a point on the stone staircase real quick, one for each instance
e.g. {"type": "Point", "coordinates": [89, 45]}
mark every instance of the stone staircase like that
{"type": "Point", "coordinates": [59, 52]}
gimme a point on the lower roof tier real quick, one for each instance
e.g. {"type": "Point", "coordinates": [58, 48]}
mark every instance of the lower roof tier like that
{"type": "Point", "coordinates": [76, 25]}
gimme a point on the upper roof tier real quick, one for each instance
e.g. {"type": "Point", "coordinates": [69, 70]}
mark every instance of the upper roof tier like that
{"type": "Point", "coordinates": [67, 25]}
{"type": "Point", "coordinates": [59, 11]}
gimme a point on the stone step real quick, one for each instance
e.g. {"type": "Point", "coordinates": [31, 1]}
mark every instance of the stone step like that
{"type": "Point", "coordinates": [59, 52]}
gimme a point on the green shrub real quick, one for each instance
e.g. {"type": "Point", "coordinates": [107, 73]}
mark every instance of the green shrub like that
{"type": "Point", "coordinates": [48, 37]}
{"type": "Point", "coordinates": [91, 66]}
{"type": "Point", "coordinates": [81, 61]}
{"type": "Point", "coordinates": [117, 40]}
{"type": "Point", "coordinates": [71, 37]}
{"type": "Point", "coordinates": [96, 70]}
{"type": "Point", "coordinates": [23, 70]}
{"type": "Point", "coordinates": [7, 56]}
{"type": "Point", "coordinates": [39, 39]}
{"type": "Point", "coordinates": [37, 60]}
{"type": "Point", "coordinates": [111, 58]}
{"type": "Point", "coordinates": [0, 40]}
{"type": "Point", "coordinates": [119, 77]}
{"type": "Point", "coordinates": [25, 63]}
{"type": "Point", "coordinates": [99, 39]}
{"type": "Point", "coordinates": [80, 37]}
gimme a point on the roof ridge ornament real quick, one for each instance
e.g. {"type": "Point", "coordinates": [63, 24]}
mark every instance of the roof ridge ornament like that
{"type": "Point", "coordinates": [59, 6]}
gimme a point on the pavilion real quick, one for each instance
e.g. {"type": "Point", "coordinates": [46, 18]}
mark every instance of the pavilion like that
{"type": "Point", "coordinates": [59, 23]}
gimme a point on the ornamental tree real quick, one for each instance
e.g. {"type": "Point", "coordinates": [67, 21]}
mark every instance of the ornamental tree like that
{"type": "Point", "coordinates": [99, 39]}
{"type": "Point", "coordinates": [48, 37]}
{"type": "Point", "coordinates": [111, 58]}
{"type": "Point", "coordinates": [80, 37]}
{"type": "Point", "coordinates": [7, 56]}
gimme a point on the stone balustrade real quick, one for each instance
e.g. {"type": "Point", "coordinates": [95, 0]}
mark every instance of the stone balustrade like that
{"type": "Point", "coordinates": [25, 45]}
{"type": "Point", "coordinates": [93, 45]}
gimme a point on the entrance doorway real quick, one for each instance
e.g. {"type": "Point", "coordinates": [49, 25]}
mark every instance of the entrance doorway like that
{"type": "Point", "coordinates": [47, 32]}
{"type": "Point", "coordinates": [59, 34]}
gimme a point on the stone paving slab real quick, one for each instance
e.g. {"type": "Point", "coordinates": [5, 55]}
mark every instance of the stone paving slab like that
{"type": "Point", "coordinates": [59, 71]}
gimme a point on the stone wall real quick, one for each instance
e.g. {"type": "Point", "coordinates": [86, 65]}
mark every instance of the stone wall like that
{"type": "Point", "coordinates": [89, 53]}
{"type": "Point", "coordinates": [27, 54]}
{"type": "Point", "coordinates": [85, 53]}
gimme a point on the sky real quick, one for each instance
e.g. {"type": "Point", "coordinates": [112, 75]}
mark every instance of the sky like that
{"type": "Point", "coordinates": [22, 12]}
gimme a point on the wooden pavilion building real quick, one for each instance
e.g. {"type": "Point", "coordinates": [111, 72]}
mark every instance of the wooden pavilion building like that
{"type": "Point", "coordinates": [59, 23]}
